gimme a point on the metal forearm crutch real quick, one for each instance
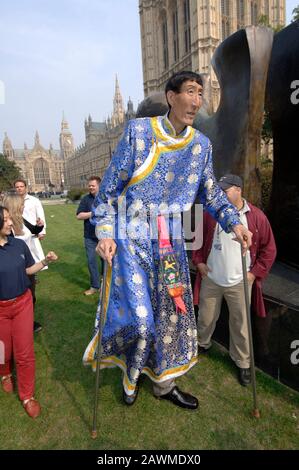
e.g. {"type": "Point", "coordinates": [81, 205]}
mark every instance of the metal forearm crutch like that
{"type": "Point", "coordinates": [255, 410]}
{"type": "Point", "coordinates": [99, 353]}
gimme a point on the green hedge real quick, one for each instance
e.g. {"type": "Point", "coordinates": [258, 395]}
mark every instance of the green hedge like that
{"type": "Point", "coordinates": [74, 194]}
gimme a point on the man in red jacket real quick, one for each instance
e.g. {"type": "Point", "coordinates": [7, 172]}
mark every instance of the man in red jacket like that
{"type": "Point", "coordinates": [219, 275]}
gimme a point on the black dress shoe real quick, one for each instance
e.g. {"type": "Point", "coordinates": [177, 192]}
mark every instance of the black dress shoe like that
{"type": "Point", "coordinates": [202, 350]}
{"type": "Point", "coordinates": [130, 399]}
{"type": "Point", "coordinates": [37, 327]}
{"type": "Point", "coordinates": [244, 376]}
{"type": "Point", "coordinates": [182, 399]}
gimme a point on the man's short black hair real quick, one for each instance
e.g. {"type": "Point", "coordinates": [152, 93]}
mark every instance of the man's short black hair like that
{"type": "Point", "coordinates": [175, 82]}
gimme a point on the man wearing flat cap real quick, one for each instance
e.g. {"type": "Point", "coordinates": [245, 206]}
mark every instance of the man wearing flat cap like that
{"type": "Point", "coordinates": [219, 275]}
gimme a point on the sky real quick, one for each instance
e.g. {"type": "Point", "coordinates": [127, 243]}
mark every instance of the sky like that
{"type": "Point", "coordinates": [62, 56]}
{"type": "Point", "coordinates": [290, 5]}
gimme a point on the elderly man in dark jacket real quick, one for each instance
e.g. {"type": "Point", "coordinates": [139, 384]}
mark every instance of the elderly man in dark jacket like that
{"type": "Point", "coordinates": [219, 274]}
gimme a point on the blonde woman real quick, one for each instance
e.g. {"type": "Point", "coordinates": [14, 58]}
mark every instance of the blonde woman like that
{"type": "Point", "coordinates": [25, 231]}
{"type": "Point", "coordinates": [22, 228]}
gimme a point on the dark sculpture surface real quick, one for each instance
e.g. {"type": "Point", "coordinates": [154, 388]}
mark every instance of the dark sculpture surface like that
{"type": "Point", "coordinates": [284, 115]}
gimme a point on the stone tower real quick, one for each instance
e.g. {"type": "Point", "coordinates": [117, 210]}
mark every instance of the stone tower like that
{"type": "Point", "coordinates": [130, 114]}
{"type": "Point", "coordinates": [8, 151]}
{"type": "Point", "coordinates": [118, 114]}
{"type": "Point", "coordinates": [66, 140]}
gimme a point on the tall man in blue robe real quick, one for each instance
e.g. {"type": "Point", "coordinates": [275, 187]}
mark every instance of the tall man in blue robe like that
{"type": "Point", "coordinates": [160, 166]}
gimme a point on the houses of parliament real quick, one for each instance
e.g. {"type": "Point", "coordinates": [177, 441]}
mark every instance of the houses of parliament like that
{"type": "Point", "coordinates": [43, 169]}
{"type": "Point", "coordinates": [175, 35]}
{"type": "Point", "coordinates": [58, 169]}
{"type": "Point", "coordinates": [101, 138]}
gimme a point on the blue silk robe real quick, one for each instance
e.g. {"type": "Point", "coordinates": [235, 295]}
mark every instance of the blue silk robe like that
{"type": "Point", "coordinates": [153, 171]}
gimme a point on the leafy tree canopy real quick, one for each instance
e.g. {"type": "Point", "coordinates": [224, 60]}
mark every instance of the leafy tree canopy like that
{"type": "Point", "coordinates": [8, 173]}
{"type": "Point", "coordinates": [295, 14]}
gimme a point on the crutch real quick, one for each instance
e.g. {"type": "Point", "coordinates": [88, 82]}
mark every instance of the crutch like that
{"type": "Point", "coordinates": [99, 353]}
{"type": "Point", "coordinates": [255, 410]}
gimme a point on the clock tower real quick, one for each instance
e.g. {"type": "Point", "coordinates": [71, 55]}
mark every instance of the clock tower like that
{"type": "Point", "coordinates": [66, 140]}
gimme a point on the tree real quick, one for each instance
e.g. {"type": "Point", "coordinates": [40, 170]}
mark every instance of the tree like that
{"type": "Point", "coordinates": [8, 173]}
{"type": "Point", "coordinates": [267, 134]}
{"type": "Point", "coordinates": [264, 21]}
{"type": "Point", "coordinates": [295, 14]}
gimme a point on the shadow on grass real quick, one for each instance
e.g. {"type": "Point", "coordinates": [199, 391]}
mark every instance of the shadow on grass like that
{"type": "Point", "coordinates": [266, 384]}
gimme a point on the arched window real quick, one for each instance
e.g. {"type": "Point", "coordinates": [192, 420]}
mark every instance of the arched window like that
{"type": "Point", "coordinates": [254, 15]}
{"type": "Point", "coordinates": [175, 27]}
{"type": "Point", "coordinates": [187, 30]}
{"type": "Point", "coordinates": [41, 171]}
{"type": "Point", "coordinates": [225, 21]}
{"type": "Point", "coordinates": [165, 41]}
{"type": "Point", "coordinates": [240, 13]}
{"type": "Point", "coordinates": [225, 7]}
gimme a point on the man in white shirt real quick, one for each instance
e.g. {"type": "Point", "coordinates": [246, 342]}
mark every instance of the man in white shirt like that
{"type": "Point", "coordinates": [33, 213]}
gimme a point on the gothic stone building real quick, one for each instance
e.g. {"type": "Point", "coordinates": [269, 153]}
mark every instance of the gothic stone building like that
{"type": "Point", "coordinates": [93, 157]}
{"type": "Point", "coordinates": [183, 35]}
{"type": "Point", "coordinates": [43, 169]}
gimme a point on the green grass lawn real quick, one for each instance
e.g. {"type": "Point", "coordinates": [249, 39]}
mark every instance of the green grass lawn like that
{"type": "Point", "coordinates": [66, 389]}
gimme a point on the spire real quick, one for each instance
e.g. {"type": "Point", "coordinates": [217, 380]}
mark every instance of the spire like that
{"type": "Point", "coordinates": [117, 89]}
{"type": "Point", "coordinates": [118, 106]}
{"type": "Point", "coordinates": [64, 125]}
{"type": "Point", "coordinates": [7, 147]}
{"type": "Point", "coordinates": [6, 139]}
{"type": "Point", "coordinates": [130, 104]}
{"type": "Point", "coordinates": [65, 139]}
{"type": "Point", "coordinates": [36, 139]}
{"type": "Point", "coordinates": [130, 114]}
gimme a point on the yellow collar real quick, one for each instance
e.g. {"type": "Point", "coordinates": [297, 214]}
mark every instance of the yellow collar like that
{"type": "Point", "coordinates": [170, 130]}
